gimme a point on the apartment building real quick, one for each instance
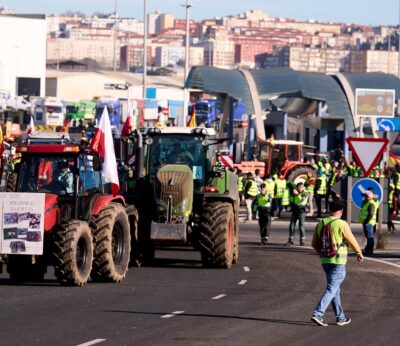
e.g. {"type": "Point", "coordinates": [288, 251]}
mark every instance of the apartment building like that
{"type": "Point", "coordinates": [374, 61]}
{"type": "Point", "coordinates": [172, 55]}
{"type": "Point", "coordinates": [219, 53]}
{"type": "Point", "coordinates": [96, 53]}
{"type": "Point", "coordinates": [164, 21]}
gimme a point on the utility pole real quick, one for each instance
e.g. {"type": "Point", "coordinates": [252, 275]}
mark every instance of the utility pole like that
{"type": "Point", "coordinates": [115, 38]}
{"type": "Point", "coordinates": [398, 49]}
{"type": "Point", "coordinates": [144, 47]}
{"type": "Point", "coordinates": [186, 72]}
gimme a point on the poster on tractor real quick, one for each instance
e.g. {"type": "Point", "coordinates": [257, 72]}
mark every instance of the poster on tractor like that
{"type": "Point", "coordinates": [22, 223]}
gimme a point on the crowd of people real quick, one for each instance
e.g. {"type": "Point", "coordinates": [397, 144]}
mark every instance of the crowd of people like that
{"type": "Point", "coordinates": [269, 196]}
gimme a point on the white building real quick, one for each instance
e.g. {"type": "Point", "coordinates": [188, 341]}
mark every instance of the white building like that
{"type": "Point", "coordinates": [23, 54]}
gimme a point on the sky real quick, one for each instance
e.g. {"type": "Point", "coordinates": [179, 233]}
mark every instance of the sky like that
{"type": "Point", "coordinates": [367, 12]}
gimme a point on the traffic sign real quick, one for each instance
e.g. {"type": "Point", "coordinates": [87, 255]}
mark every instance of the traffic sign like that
{"type": "Point", "coordinates": [385, 124]}
{"type": "Point", "coordinates": [361, 186]}
{"type": "Point", "coordinates": [367, 151]}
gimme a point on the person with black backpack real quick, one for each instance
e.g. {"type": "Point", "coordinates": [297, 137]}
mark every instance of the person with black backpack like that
{"type": "Point", "coordinates": [331, 239]}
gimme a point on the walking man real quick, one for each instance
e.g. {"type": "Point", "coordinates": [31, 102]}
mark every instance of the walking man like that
{"type": "Point", "coordinates": [299, 202]}
{"type": "Point", "coordinates": [334, 267]}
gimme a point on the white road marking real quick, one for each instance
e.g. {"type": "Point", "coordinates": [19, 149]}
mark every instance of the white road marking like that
{"type": "Point", "coordinates": [173, 314]}
{"type": "Point", "coordinates": [382, 261]}
{"type": "Point", "coordinates": [95, 341]}
{"type": "Point", "coordinates": [242, 282]}
{"type": "Point", "coordinates": [246, 269]}
{"type": "Point", "coordinates": [219, 296]}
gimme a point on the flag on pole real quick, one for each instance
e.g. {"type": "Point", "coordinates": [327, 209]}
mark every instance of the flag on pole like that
{"type": "Point", "coordinates": [103, 144]}
{"type": "Point", "coordinates": [192, 120]}
{"type": "Point", "coordinates": [65, 126]}
{"type": "Point", "coordinates": [31, 127]}
{"type": "Point", "coordinates": [128, 125]}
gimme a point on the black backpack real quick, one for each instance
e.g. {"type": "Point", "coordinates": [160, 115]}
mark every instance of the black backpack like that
{"type": "Point", "coordinates": [326, 247]}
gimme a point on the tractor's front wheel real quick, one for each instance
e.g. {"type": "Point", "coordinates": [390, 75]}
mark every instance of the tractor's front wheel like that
{"type": "Point", "coordinates": [11, 182]}
{"type": "Point", "coordinates": [112, 241]}
{"type": "Point", "coordinates": [73, 253]}
{"type": "Point", "coordinates": [217, 235]}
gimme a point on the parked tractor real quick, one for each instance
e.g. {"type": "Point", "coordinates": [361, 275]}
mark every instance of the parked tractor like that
{"type": "Point", "coordinates": [86, 231]}
{"type": "Point", "coordinates": [184, 197]}
{"type": "Point", "coordinates": [278, 156]}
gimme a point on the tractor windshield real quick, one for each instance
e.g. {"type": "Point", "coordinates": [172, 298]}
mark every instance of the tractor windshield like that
{"type": "Point", "coordinates": [178, 149]}
{"type": "Point", "coordinates": [48, 174]}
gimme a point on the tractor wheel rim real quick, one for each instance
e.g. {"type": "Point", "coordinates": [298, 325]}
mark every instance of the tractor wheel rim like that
{"type": "Point", "coordinates": [117, 243]}
{"type": "Point", "coordinates": [81, 254]}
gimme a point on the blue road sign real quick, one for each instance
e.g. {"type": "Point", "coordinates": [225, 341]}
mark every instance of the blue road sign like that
{"type": "Point", "coordinates": [385, 124]}
{"type": "Point", "coordinates": [361, 186]}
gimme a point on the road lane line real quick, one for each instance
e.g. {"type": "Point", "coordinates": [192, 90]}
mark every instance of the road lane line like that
{"type": "Point", "coordinates": [242, 282]}
{"type": "Point", "coordinates": [246, 269]}
{"type": "Point", "coordinates": [173, 314]}
{"type": "Point", "coordinates": [382, 261]}
{"type": "Point", "coordinates": [95, 341]}
{"type": "Point", "coordinates": [219, 296]}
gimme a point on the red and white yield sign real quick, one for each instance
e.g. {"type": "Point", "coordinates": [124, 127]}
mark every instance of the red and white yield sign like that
{"type": "Point", "coordinates": [367, 151]}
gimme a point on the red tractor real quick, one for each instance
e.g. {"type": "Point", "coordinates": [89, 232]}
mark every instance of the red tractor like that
{"type": "Point", "coordinates": [85, 230]}
{"type": "Point", "coordinates": [278, 156]}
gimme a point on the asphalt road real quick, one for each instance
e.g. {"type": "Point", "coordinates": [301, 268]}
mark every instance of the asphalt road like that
{"type": "Point", "coordinates": [265, 299]}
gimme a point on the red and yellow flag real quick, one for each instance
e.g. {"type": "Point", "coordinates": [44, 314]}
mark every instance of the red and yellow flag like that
{"type": "Point", "coordinates": [192, 120]}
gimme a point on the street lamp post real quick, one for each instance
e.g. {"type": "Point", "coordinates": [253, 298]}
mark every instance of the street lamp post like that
{"type": "Point", "coordinates": [186, 72]}
{"type": "Point", "coordinates": [115, 38]}
{"type": "Point", "coordinates": [144, 47]}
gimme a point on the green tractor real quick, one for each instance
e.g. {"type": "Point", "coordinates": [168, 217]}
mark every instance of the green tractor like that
{"type": "Point", "coordinates": [183, 196]}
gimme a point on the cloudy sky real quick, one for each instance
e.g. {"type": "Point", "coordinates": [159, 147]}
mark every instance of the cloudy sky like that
{"type": "Point", "coordinates": [369, 12]}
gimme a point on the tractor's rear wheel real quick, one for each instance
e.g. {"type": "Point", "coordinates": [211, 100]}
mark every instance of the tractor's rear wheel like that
{"type": "Point", "coordinates": [298, 174]}
{"type": "Point", "coordinates": [217, 235]}
{"type": "Point", "coordinates": [22, 268]}
{"type": "Point", "coordinates": [11, 182]}
{"type": "Point", "coordinates": [73, 253]}
{"type": "Point", "coordinates": [112, 244]}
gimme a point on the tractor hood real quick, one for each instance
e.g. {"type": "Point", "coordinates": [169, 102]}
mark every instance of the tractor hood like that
{"type": "Point", "coordinates": [174, 192]}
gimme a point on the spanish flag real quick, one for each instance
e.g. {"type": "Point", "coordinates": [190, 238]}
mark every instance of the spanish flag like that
{"type": "Point", "coordinates": [393, 159]}
{"type": "Point", "coordinates": [192, 120]}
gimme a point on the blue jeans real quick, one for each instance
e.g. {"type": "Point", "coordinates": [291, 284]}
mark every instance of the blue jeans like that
{"type": "Point", "coordinates": [369, 234]}
{"type": "Point", "coordinates": [335, 274]}
{"type": "Point", "coordinates": [297, 214]}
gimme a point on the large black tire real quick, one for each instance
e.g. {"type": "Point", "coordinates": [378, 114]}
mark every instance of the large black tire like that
{"type": "Point", "coordinates": [216, 236]}
{"type": "Point", "coordinates": [112, 244]}
{"type": "Point", "coordinates": [299, 174]}
{"type": "Point", "coordinates": [23, 268]}
{"type": "Point", "coordinates": [11, 182]}
{"type": "Point", "coordinates": [136, 258]}
{"type": "Point", "coordinates": [73, 253]}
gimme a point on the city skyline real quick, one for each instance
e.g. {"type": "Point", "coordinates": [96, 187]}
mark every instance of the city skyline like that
{"type": "Point", "coordinates": [367, 12]}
